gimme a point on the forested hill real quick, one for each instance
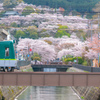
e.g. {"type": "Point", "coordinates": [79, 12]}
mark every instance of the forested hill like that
{"type": "Point", "coordinates": [78, 5]}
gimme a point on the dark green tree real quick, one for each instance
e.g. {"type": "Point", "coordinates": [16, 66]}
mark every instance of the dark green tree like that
{"type": "Point", "coordinates": [36, 56]}
{"type": "Point", "coordinates": [14, 24]}
{"type": "Point", "coordinates": [62, 31]}
{"type": "Point", "coordinates": [9, 3]}
{"type": "Point", "coordinates": [32, 32]}
{"type": "Point", "coordinates": [27, 10]}
{"type": "Point", "coordinates": [69, 5]}
{"type": "Point", "coordinates": [19, 33]}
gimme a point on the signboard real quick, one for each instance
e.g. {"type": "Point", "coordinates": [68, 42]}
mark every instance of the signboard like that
{"type": "Point", "coordinates": [28, 55]}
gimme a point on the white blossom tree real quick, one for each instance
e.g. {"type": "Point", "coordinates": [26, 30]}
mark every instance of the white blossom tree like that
{"type": "Point", "coordinates": [59, 47]}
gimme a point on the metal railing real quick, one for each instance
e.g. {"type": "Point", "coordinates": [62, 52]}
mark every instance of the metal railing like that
{"type": "Point", "coordinates": [87, 68]}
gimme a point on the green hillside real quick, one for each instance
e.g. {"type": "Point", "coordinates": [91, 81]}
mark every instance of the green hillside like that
{"type": "Point", "coordinates": [78, 5]}
{"type": "Point", "coordinates": [69, 5]}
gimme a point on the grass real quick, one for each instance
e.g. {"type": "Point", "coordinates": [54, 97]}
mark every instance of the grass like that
{"type": "Point", "coordinates": [27, 70]}
{"type": "Point", "coordinates": [82, 97]}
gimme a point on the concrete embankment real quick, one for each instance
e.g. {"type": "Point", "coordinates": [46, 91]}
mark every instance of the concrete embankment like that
{"type": "Point", "coordinates": [9, 92]}
{"type": "Point", "coordinates": [86, 93]}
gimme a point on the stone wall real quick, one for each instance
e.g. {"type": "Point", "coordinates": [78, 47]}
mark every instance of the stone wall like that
{"type": "Point", "coordinates": [86, 93]}
{"type": "Point", "coordinates": [10, 92]}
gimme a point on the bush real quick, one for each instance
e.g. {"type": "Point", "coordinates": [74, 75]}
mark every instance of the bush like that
{"type": "Point", "coordinates": [68, 59]}
{"type": "Point", "coordinates": [36, 56]}
{"type": "Point", "coordinates": [62, 32]}
{"type": "Point", "coordinates": [80, 60]}
{"type": "Point", "coordinates": [85, 63]}
{"type": "Point", "coordinates": [69, 56]}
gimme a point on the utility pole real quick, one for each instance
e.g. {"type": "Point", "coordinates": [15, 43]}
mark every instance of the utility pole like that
{"type": "Point", "coordinates": [88, 27]}
{"type": "Point", "coordinates": [98, 39]}
{"type": "Point", "coordinates": [91, 30]}
{"type": "Point", "coordinates": [91, 39]}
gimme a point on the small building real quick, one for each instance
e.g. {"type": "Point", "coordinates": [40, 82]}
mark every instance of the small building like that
{"type": "Point", "coordinates": [9, 13]}
{"type": "Point", "coordinates": [3, 34]}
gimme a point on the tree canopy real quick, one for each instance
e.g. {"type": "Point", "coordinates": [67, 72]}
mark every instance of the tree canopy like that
{"type": "Point", "coordinates": [27, 10]}
{"type": "Point", "coordinates": [9, 3]}
{"type": "Point", "coordinates": [78, 5]}
{"type": "Point", "coordinates": [61, 32]}
{"type": "Point", "coordinates": [19, 33]}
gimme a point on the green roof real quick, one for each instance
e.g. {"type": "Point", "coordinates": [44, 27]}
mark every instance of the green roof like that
{"type": "Point", "coordinates": [3, 46]}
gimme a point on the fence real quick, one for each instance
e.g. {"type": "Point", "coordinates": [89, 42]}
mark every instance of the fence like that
{"type": "Point", "coordinates": [22, 63]}
{"type": "Point", "coordinates": [87, 68]}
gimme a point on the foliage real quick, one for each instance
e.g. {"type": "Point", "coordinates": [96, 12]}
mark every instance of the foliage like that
{"type": "Point", "coordinates": [14, 24]}
{"type": "Point", "coordinates": [38, 11]}
{"type": "Point", "coordinates": [19, 33]}
{"type": "Point", "coordinates": [27, 10]}
{"type": "Point", "coordinates": [1, 94]}
{"type": "Point", "coordinates": [82, 97]}
{"type": "Point", "coordinates": [69, 5]}
{"type": "Point", "coordinates": [44, 35]}
{"type": "Point", "coordinates": [43, 30]}
{"type": "Point", "coordinates": [33, 35]}
{"type": "Point", "coordinates": [9, 3]}
{"type": "Point", "coordinates": [61, 32]}
{"type": "Point", "coordinates": [63, 27]}
{"type": "Point", "coordinates": [68, 59]}
{"type": "Point", "coordinates": [36, 56]}
{"type": "Point", "coordinates": [49, 42]}
{"type": "Point", "coordinates": [1, 13]}
{"type": "Point", "coordinates": [69, 56]}
{"type": "Point", "coordinates": [56, 50]}
{"type": "Point", "coordinates": [32, 32]}
{"type": "Point", "coordinates": [6, 3]}
{"type": "Point", "coordinates": [81, 34]}
{"type": "Point", "coordinates": [85, 63]}
{"type": "Point", "coordinates": [19, 1]}
{"type": "Point", "coordinates": [80, 60]}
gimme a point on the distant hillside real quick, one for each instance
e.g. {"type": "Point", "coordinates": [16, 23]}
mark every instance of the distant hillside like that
{"type": "Point", "coordinates": [1, 1]}
{"type": "Point", "coordinates": [69, 5]}
{"type": "Point", "coordinates": [78, 5]}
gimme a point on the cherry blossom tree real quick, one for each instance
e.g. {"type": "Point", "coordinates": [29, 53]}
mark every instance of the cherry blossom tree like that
{"type": "Point", "coordinates": [95, 43]}
{"type": "Point", "coordinates": [91, 54]}
{"type": "Point", "coordinates": [46, 51]}
{"type": "Point", "coordinates": [59, 47]}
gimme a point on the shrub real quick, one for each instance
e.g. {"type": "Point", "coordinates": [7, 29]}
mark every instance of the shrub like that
{"type": "Point", "coordinates": [36, 56]}
{"type": "Point", "coordinates": [85, 63]}
{"type": "Point", "coordinates": [80, 60]}
{"type": "Point", "coordinates": [68, 59]}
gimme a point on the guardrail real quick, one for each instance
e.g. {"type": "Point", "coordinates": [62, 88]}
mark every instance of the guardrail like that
{"type": "Point", "coordinates": [87, 68]}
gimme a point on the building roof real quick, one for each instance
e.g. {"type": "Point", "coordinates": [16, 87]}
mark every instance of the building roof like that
{"type": "Point", "coordinates": [11, 13]}
{"type": "Point", "coordinates": [3, 34]}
